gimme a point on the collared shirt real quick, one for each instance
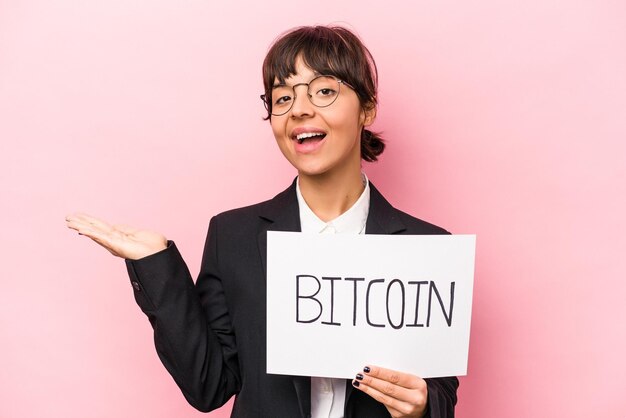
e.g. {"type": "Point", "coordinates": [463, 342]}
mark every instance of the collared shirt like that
{"type": "Point", "coordinates": [328, 395]}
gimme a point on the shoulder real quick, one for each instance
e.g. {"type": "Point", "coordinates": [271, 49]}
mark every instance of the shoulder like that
{"type": "Point", "coordinates": [266, 210]}
{"type": "Point", "coordinates": [242, 213]}
{"type": "Point", "coordinates": [418, 226]}
{"type": "Point", "coordinates": [387, 219]}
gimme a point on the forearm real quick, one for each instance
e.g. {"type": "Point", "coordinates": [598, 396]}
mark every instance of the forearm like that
{"type": "Point", "coordinates": [185, 342]}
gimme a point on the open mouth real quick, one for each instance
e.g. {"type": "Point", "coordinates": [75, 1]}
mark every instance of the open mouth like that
{"type": "Point", "coordinates": [310, 137]}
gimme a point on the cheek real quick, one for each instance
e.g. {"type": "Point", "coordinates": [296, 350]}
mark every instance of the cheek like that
{"type": "Point", "coordinates": [348, 118]}
{"type": "Point", "coordinates": [348, 125]}
{"type": "Point", "coordinates": [277, 129]}
{"type": "Point", "coordinates": [279, 136]}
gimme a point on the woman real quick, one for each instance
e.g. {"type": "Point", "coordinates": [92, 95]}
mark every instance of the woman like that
{"type": "Point", "coordinates": [320, 94]}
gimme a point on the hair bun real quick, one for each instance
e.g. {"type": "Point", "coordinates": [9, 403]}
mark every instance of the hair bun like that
{"type": "Point", "coordinates": [372, 145]}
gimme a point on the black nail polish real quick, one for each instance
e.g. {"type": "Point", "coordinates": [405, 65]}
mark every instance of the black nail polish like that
{"type": "Point", "coordinates": [359, 376]}
{"type": "Point", "coordinates": [355, 383]}
{"type": "Point", "coordinates": [366, 369]}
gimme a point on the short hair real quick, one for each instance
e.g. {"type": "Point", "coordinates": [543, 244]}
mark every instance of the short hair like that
{"type": "Point", "coordinates": [328, 50]}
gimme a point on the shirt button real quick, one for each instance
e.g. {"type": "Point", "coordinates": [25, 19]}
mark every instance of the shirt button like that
{"type": "Point", "coordinates": [136, 285]}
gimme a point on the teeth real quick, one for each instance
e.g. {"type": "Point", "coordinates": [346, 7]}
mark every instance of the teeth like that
{"type": "Point", "coordinates": [306, 135]}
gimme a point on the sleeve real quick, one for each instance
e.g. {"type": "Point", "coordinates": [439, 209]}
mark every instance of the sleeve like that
{"type": "Point", "coordinates": [441, 397]}
{"type": "Point", "coordinates": [192, 333]}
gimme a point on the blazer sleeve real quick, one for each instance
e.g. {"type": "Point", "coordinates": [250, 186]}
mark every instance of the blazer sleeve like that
{"type": "Point", "coordinates": [192, 331]}
{"type": "Point", "coordinates": [441, 397]}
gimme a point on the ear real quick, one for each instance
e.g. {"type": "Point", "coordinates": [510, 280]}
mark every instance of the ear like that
{"type": "Point", "coordinates": [368, 116]}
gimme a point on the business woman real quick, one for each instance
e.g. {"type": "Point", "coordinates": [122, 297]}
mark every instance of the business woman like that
{"type": "Point", "coordinates": [320, 94]}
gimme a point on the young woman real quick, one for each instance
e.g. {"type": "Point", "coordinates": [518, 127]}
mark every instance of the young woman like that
{"type": "Point", "coordinates": [320, 94]}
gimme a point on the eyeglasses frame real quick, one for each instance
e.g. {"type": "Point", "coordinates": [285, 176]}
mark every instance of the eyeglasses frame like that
{"type": "Point", "coordinates": [339, 81]}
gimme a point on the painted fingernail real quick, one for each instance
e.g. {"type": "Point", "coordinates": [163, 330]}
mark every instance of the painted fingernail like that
{"type": "Point", "coordinates": [359, 376]}
{"type": "Point", "coordinates": [366, 369]}
{"type": "Point", "coordinates": [355, 383]}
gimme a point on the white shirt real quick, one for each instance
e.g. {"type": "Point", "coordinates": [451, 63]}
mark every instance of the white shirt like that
{"type": "Point", "coordinates": [328, 395]}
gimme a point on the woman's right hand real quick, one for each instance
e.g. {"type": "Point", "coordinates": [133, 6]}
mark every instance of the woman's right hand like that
{"type": "Point", "coordinates": [121, 241]}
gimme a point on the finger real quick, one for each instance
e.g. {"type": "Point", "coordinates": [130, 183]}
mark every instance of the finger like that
{"type": "Point", "coordinates": [77, 224]}
{"type": "Point", "coordinates": [90, 220]}
{"type": "Point", "coordinates": [78, 217]}
{"type": "Point", "coordinates": [386, 388]}
{"type": "Point", "coordinates": [397, 407]}
{"type": "Point", "coordinates": [84, 228]}
{"type": "Point", "coordinates": [405, 380]}
{"type": "Point", "coordinates": [102, 239]}
{"type": "Point", "coordinates": [96, 235]}
{"type": "Point", "coordinates": [73, 222]}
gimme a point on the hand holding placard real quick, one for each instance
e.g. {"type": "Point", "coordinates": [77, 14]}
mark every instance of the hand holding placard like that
{"type": "Point", "coordinates": [404, 395]}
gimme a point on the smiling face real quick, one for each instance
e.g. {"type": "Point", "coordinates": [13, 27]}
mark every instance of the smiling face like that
{"type": "Point", "coordinates": [321, 140]}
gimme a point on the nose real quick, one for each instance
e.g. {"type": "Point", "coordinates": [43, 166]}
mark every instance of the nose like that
{"type": "Point", "coordinates": [302, 106]}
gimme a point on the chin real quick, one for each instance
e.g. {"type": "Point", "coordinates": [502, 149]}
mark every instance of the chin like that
{"type": "Point", "coordinates": [311, 169]}
{"type": "Point", "coordinates": [310, 172]}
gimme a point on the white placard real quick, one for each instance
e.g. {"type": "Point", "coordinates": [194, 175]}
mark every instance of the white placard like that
{"type": "Point", "coordinates": [338, 302]}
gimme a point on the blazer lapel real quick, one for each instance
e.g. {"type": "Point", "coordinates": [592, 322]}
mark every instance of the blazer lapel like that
{"type": "Point", "coordinates": [302, 384]}
{"type": "Point", "coordinates": [382, 218]}
{"type": "Point", "coordinates": [279, 214]}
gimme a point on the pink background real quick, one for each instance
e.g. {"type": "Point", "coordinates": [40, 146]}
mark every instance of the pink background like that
{"type": "Point", "coordinates": [508, 121]}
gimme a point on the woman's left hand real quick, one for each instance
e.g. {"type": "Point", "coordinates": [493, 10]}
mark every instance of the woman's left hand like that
{"type": "Point", "coordinates": [404, 395]}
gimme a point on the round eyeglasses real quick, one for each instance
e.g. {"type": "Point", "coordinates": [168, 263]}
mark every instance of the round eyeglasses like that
{"type": "Point", "coordinates": [322, 91]}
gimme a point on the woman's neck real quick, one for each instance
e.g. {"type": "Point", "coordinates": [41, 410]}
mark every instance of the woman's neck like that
{"type": "Point", "coordinates": [329, 195]}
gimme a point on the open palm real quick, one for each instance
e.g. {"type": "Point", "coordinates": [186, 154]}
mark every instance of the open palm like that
{"type": "Point", "coordinates": [121, 241]}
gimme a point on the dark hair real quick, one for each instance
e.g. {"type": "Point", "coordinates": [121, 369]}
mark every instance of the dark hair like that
{"type": "Point", "coordinates": [329, 50]}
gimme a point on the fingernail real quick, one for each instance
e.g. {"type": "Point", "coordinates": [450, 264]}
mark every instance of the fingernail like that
{"type": "Point", "coordinates": [366, 369]}
{"type": "Point", "coordinates": [355, 383]}
{"type": "Point", "coordinates": [359, 376]}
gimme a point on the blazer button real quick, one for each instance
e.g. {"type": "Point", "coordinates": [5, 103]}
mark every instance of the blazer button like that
{"type": "Point", "coordinates": [136, 285]}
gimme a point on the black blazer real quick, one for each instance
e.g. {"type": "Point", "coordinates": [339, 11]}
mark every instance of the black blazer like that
{"type": "Point", "coordinates": [211, 336]}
